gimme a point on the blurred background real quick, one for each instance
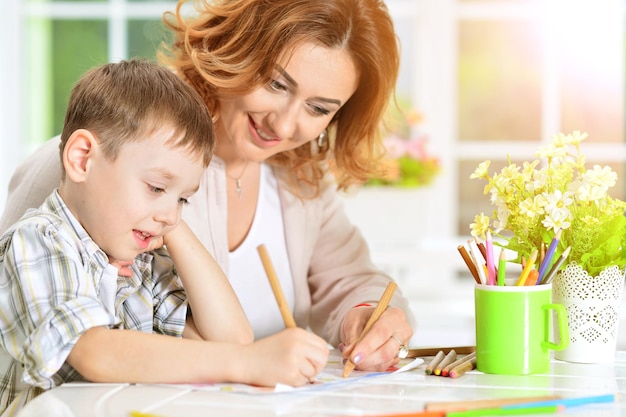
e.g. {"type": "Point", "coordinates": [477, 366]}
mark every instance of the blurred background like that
{"type": "Point", "coordinates": [480, 79]}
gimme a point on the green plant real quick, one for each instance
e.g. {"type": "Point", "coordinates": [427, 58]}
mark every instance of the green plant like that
{"type": "Point", "coordinates": [534, 201]}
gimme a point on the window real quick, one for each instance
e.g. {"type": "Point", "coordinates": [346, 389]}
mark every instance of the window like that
{"type": "Point", "coordinates": [492, 77]}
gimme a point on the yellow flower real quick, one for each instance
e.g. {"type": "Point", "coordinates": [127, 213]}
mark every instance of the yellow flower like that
{"type": "Point", "coordinates": [480, 226]}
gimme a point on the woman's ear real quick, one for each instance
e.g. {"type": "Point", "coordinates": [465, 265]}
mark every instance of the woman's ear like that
{"type": "Point", "coordinates": [79, 149]}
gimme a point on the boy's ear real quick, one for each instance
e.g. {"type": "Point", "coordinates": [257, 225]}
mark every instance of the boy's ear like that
{"type": "Point", "coordinates": [77, 154]}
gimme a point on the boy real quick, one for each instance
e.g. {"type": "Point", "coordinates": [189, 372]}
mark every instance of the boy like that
{"type": "Point", "coordinates": [84, 293]}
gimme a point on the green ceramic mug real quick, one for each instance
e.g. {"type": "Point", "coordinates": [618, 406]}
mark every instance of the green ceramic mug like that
{"type": "Point", "coordinates": [513, 328]}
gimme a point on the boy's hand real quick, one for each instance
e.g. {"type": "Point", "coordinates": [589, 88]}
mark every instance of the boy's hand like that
{"type": "Point", "coordinates": [123, 267]}
{"type": "Point", "coordinates": [292, 357]}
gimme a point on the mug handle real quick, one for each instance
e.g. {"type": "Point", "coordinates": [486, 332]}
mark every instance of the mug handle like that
{"type": "Point", "coordinates": [561, 318]}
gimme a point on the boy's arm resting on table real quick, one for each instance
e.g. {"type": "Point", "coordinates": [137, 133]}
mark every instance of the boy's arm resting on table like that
{"type": "Point", "coordinates": [217, 314]}
{"type": "Point", "coordinates": [289, 357]}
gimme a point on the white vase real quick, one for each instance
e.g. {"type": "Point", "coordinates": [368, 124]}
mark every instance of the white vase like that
{"type": "Point", "coordinates": [593, 305]}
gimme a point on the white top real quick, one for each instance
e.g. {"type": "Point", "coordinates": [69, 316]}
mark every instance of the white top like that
{"type": "Point", "coordinates": [246, 272]}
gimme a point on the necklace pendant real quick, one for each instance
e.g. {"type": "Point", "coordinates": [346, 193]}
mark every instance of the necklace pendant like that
{"type": "Point", "coordinates": [238, 181]}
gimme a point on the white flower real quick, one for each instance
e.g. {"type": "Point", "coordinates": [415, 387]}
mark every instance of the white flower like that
{"type": "Point", "coordinates": [576, 137]}
{"type": "Point", "coordinates": [502, 215]}
{"type": "Point", "coordinates": [600, 176]}
{"type": "Point", "coordinates": [532, 206]}
{"type": "Point", "coordinates": [482, 171]}
{"type": "Point", "coordinates": [556, 220]}
{"type": "Point", "coordinates": [557, 201]}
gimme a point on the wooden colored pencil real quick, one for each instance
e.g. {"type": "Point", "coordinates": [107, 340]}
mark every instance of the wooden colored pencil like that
{"type": "Point", "coordinates": [480, 266]}
{"type": "Point", "coordinates": [492, 271]}
{"type": "Point", "coordinates": [529, 265]}
{"type": "Point", "coordinates": [500, 412]}
{"type": "Point", "coordinates": [568, 402]}
{"type": "Point", "coordinates": [285, 312]}
{"type": "Point", "coordinates": [459, 370]}
{"type": "Point", "coordinates": [557, 265]}
{"type": "Point", "coordinates": [532, 277]}
{"type": "Point", "coordinates": [378, 311]}
{"type": "Point", "coordinates": [547, 260]}
{"type": "Point", "coordinates": [483, 251]}
{"type": "Point", "coordinates": [501, 268]}
{"type": "Point", "coordinates": [450, 357]}
{"type": "Point", "coordinates": [412, 414]}
{"type": "Point", "coordinates": [432, 351]}
{"type": "Point", "coordinates": [477, 404]}
{"type": "Point", "coordinates": [470, 264]}
{"type": "Point", "coordinates": [430, 368]}
{"type": "Point", "coordinates": [446, 371]}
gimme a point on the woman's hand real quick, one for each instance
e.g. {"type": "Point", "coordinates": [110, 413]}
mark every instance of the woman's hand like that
{"type": "Point", "coordinates": [379, 348]}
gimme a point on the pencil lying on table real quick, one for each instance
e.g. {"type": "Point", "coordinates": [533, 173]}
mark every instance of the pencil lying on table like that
{"type": "Point", "coordinates": [477, 404]}
{"type": "Point", "coordinates": [449, 358]}
{"type": "Point", "coordinates": [446, 371]}
{"type": "Point", "coordinates": [378, 311]}
{"type": "Point", "coordinates": [461, 368]}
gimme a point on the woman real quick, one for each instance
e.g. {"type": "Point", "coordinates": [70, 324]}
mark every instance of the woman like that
{"type": "Point", "coordinates": [295, 87]}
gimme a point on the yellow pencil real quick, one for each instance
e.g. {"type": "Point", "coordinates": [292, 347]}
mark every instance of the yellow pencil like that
{"type": "Point", "coordinates": [529, 265]}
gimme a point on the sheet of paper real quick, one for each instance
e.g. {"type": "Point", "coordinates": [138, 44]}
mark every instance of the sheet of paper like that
{"type": "Point", "coordinates": [329, 377]}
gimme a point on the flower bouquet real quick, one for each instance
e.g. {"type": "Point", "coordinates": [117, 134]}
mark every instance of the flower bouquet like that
{"type": "Point", "coordinates": [564, 206]}
{"type": "Point", "coordinates": [535, 201]}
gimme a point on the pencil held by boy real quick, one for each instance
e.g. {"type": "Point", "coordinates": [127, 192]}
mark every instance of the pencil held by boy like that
{"type": "Point", "coordinates": [86, 291]}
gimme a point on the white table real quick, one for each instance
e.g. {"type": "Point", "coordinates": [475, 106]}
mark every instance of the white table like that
{"type": "Point", "coordinates": [393, 393]}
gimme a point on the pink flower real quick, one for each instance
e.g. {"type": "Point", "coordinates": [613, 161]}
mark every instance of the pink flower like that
{"type": "Point", "coordinates": [416, 148]}
{"type": "Point", "coordinates": [396, 146]}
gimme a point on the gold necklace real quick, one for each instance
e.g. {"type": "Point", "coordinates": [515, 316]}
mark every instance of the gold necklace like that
{"type": "Point", "coordinates": [238, 179]}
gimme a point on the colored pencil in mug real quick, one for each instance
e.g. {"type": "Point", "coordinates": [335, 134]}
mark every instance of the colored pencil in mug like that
{"type": "Point", "coordinates": [557, 265]}
{"type": "Point", "coordinates": [501, 268]}
{"type": "Point", "coordinates": [529, 265]}
{"type": "Point", "coordinates": [469, 262]}
{"type": "Point", "coordinates": [547, 260]}
{"type": "Point", "coordinates": [491, 266]}
{"type": "Point", "coordinates": [475, 254]}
